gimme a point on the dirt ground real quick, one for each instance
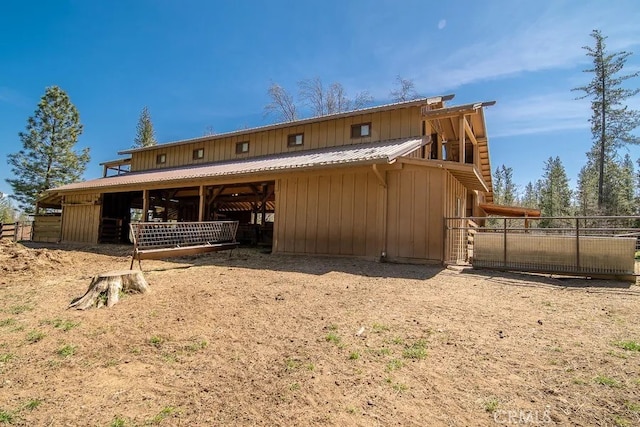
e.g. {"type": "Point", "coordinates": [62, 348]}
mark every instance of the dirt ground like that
{"type": "Point", "coordinates": [260, 339]}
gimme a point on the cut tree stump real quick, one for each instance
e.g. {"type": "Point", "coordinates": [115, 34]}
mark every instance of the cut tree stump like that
{"type": "Point", "coordinates": [105, 288]}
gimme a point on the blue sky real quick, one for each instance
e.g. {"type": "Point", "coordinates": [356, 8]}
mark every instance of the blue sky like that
{"type": "Point", "coordinates": [199, 64]}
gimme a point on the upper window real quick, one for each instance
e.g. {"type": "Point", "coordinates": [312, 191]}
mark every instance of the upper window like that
{"type": "Point", "coordinates": [361, 130]}
{"type": "Point", "coordinates": [242, 147]}
{"type": "Point", "coordinates": [161, 159]}
{"type": "Point", "coordinates": [198, 154]}
{"type": "Point", "coordinates": [295, 139]}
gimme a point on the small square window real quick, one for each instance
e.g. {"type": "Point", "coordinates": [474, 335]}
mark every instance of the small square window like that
{"type": "Point", "coordinates": [361, 130]}
{"type": "Point", "coordinates": [198, 154]}
{"type": "Point", "coordinates": [242, 147]}
{"type": "Point", "coordinates": [161, 159]}
{"type": "Point", "coordinates": [295, 139]}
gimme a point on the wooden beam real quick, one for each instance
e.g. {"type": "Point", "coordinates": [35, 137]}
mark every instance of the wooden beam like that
{"type": "Point", "coordinates": [145, 205]}
{"type": "Point", "coordinates": [463, 140]}
{"type": "Point", "coordinates": [469, 133]}
{"type": "Point", "coordinates": [378, 174]}
{"type": "Point", "coordinates": [201, 204]}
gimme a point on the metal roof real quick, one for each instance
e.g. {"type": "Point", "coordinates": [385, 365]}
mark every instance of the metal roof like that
{"type": "Point", "coordinates": [404, 104]}
{"type": "Point", "coordinates": [368, 153]}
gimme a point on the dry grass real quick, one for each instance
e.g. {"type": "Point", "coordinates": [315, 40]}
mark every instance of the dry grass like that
{"type": "Point", "coordinates": [245, 341]}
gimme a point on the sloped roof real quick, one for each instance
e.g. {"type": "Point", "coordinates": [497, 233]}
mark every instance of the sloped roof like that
{"type": "Point", "coordinates": [381, 152]}
{"type": "Point", "coordinates": [385, 107]}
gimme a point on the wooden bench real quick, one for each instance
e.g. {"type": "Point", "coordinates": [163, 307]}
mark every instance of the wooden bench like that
{"type": "Point", "coordinates": [159, 240]}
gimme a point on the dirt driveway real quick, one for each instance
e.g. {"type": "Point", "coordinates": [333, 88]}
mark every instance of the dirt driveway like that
{"type": "Point", "coordinates": [259, 339]}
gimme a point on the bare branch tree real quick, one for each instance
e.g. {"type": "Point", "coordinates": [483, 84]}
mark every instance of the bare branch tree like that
{"type": "Point", "coordinates": [281, 104]}
{"type": "Point", "coordinates": [209, 131]}
{"type": "Point", "coordinates": [312, 94]}
{"type": "Point", "coordinates": [332, 100]}
{"type": "Point", "coordinates": [406, 90]}
{"type": "Point", "coordinates": [362, 99]}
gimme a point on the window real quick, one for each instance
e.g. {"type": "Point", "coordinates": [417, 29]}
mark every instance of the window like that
{"type": "Point", "coordinates": [198, 154]}
{"type": "Point", "coordinates": [242, 147]}
{"type": "Point", "coordinates": [361, 130]}
{"type": "Point", "coordinates": [161, 159]}
{"type": "Point", "coordinates": [295, 139]}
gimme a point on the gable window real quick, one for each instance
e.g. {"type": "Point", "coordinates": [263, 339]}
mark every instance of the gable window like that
{"type": "Point", "coordinates": [295, 139]}
{"type": "Point", "coordinates": [361, 130]}
{"type": "Point", "coordinates": [242, 147]}
{"type": "Point", "coordinates": [198, 154]}
{"type": "Point", "coordinates": [161, 159]}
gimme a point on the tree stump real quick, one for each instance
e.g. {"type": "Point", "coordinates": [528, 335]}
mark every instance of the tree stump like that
{"type": "Point", "coordinates": [105, 288]}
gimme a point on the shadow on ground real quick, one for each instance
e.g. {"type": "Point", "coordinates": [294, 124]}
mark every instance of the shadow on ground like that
{"type": "Point", "coordinates": [259, 259]}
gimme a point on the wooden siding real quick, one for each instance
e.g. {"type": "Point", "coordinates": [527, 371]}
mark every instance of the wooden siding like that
{"type": "Point", "coordinates": [385, 125]}
{"type": "Point", "coordinates": [81, 218]}
{"type": "Point", "coordinates": [46, 228]}
{"type": "Point", "coordinates": [414, 217]}
{"type": "Point", "coordinates": [333, 214]}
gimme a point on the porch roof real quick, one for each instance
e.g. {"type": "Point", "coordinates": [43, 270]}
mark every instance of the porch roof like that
{"type": "Point", "coordinates": [509, 211]}
{"type": "Point", "coordinates": [377, 153]}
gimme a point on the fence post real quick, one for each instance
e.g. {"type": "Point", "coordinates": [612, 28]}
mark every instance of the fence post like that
{"type": "Point", "coordinates": [504, 244]}
{"type": "Point", "coordinates": [578, 244]}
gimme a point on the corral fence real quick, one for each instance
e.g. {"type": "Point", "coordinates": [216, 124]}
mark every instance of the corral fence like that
{"type": "Point", "coordinates": [16, 231]}
{"type": "Point", "coordinates": [590, 246]}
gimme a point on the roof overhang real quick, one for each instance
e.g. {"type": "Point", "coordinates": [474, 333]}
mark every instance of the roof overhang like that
{"type": "Point", "coordinates": [385, 152]}
{"type": "Point", "coordinates": [467, 174]}
{"type": "Point", "coordinates": [509, 211]}
{"type": "Point", "coordinates": [447, 121]}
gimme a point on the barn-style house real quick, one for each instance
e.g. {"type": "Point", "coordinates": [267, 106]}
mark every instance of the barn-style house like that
{"type": "Point", "coordinates": [375, 182]}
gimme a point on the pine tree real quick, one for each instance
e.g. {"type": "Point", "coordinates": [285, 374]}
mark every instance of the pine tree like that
{"type": "Point", "coordinates": [587, 191]}
{"type": "Point", "coordinates": [611, 121]}
{"type": "Point", "coordinates": [145, 135]}
{"type": "Point", "coordinates": [531, 196]}
{"type": "Point", "coordinates": [555, 194]}
{"type": "Point", "coordinates": [504, 189]}
{"type": "Point", "coordinates": [7, 212]}
{"type": "Point", "coordinates": [47, 158]}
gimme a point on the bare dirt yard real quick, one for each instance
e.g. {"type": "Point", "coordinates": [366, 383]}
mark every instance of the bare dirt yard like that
{"type": "Point", "coordinates": [260, 339]}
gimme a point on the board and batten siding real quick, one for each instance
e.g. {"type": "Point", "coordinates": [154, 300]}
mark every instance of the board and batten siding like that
{"type": "Point", "coordinates": [330, 214]}
{"type": "Point", "coordinates": [81, 218]}
{"type": "Point", "coordinates": [385, 125]}
{"type": "Point", "coordinates": [414, 215]}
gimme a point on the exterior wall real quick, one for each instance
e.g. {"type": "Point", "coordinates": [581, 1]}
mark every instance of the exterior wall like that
{"type": "Point", "coordinates": [46, 228]}
{"type": "Point", "coordinates": [414, 218]}
{"type": "Point", "coordinates": [337, 213]}
{"type": "Point", "coordinates": [455, 200]}
{"type": "Point", "coordinates": [81, 218]}
{"type": "Point", "coordinates": [385, 125]}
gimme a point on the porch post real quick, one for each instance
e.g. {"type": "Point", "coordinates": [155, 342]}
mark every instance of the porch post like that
{"type": "Point", "coordinates": [201, 204]}
{"type": "Point", "coordinates": [145, 205]}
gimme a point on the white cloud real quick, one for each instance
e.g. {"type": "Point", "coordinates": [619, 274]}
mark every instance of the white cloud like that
{"type": "Point", "coordinates": [442, 23]}
{"type": "Point", "coordinates": [536, 114]}
{"type": "Point", "coordinates": [550, 41]}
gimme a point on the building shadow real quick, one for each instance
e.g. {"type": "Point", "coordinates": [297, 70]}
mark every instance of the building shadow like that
{"type": "Point", "coordinates": [257, 258]}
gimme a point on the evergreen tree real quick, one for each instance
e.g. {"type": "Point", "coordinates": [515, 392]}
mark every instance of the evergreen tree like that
{"type": "Point", "coordinates": [47, 158]}
{"type": "Point", "coordinates": [555, 194]}
{"type": "Point", "coordinates": [620, 190]}
{"type": "Point", "coordinates": [611, 121]}
{"type": "Point", "coordinates": [145, 135]}
{"type": "Point", "coordinates": [531, 196]}
{"type": "Point", "coordinates": [587, 191]}
{"type": "Point", "coordinates": [7, 213]}
{"type": "Point", "coordinates": [504, 189]}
